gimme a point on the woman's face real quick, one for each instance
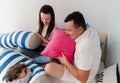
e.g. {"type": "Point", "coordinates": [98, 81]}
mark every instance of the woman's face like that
{"type": "Point", "coordinates": [46, 18]}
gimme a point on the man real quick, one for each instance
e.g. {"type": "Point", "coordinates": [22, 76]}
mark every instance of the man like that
{"type": "Point", "coordinates": [86, 57]}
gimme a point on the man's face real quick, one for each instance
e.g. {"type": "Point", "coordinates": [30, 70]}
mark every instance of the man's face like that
{"type": "Point", "coordinates": [72, 30]}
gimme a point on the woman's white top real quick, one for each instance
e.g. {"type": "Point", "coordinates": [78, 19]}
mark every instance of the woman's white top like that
{"type": "Point", "coordinates": [44, 34]}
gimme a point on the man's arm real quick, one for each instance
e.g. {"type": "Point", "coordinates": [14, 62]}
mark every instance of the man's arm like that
{"type": "Point", "coordinates": [79, 74]}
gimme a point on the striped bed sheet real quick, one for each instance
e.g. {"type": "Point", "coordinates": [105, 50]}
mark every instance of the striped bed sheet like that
{"type": "Point", "coordinates": [10, 57]}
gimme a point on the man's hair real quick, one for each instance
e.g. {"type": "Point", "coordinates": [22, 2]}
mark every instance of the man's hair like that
{"type": "Point", "coordinates": [77, 18]}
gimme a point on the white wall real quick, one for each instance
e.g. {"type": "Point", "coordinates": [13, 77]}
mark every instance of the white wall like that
{"type": "Point", "coordinates": [23, 14]}
{"type": "Point", "coordinates": [19, 14]}
{"type": "Point", "coordinates": [113, 47]}
{"type": "Point", "coordinates": [103, 15]}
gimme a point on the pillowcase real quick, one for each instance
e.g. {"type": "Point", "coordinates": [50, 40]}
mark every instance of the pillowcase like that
{"type": "Point", "coordinates": [24, 39]}
{"type": "Point", "coordinates": [108, 75]}
{"type": "Point", "coordinates": [60, 42]}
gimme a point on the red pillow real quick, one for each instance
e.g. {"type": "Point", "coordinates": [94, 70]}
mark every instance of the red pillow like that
{"type": "Point", "coordinates": [60, 42]}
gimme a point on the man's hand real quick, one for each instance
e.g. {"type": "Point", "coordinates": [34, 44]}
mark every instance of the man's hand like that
{"type": "Point", "coordinates": [63, 60]}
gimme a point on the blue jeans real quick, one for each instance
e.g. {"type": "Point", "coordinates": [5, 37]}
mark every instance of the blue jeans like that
{"type": "Point", "coordinates": [41, 60]}
{"type": "Point", "coordinates": [37, 58]}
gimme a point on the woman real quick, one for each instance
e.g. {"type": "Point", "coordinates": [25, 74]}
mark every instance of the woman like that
{"type": "Point", "coordinates": [46, 25]}
{"type": "Point", "coordinates": [45, 31]}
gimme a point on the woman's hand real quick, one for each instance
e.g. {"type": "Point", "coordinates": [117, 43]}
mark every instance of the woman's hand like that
{"type": "Point", "coordinates": [45, 40]}
{"type": "Point", "coordinates": [38, 34]}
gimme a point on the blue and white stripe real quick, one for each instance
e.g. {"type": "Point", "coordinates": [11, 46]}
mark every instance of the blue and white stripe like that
{"type": "Point", "coordinates": [9, 58]}
{"type": "Point", "coordinates": [15, 39]}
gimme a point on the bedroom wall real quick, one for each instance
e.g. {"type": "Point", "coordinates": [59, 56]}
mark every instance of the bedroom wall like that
{"type": "Point", "coordinates": [113, 46]}
{"type": "Point", "coordinates": [103, 15]}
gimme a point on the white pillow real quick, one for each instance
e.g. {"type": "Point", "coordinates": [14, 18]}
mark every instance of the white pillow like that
{"type": "Point", "coordinates": [108, 75]}
{"type": "Point", "coordinates": [24, 39]}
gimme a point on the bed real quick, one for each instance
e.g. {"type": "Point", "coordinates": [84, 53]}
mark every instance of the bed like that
{"type": "Point", "coordinates": [9, 57]}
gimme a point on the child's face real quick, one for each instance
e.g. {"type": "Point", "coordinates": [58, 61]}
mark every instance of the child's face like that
{"type": "Point", "coordinates": [22, 74]}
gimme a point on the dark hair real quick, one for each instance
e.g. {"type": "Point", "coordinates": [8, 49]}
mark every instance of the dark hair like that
{"type": "Point", "coordinates": [47, 9]}
{"type": "Point", "coordinates": [77, 18]}
{"type": "Point", "coordinates": [14, 71]}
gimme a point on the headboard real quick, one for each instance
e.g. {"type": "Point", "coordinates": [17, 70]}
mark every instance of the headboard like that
{"type": "Point", "coordinates": [103, 37]}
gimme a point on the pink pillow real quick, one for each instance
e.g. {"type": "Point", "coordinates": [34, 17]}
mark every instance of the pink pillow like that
{"type": "Point", "coordinates": [60, 42]}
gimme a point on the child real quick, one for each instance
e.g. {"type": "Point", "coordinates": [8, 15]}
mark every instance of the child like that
{"type": "Point", "coordinates": [18, 73]}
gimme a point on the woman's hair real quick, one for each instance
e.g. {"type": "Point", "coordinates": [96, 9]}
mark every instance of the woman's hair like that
{"type": "Point", "coordinates": [47, 9]}
{"type": "Point", "coordinates": [14, 71]}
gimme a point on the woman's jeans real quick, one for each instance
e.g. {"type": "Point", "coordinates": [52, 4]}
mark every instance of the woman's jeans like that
{"type": "Point", "coordinates": [37, 58]}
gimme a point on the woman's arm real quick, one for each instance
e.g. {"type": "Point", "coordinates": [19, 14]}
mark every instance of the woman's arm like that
{"type": "Point", "coordinates": [45, 40]}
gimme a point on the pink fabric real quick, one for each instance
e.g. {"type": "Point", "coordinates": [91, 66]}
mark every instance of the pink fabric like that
{"type": "Point", "coordinates": [60, 42]}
